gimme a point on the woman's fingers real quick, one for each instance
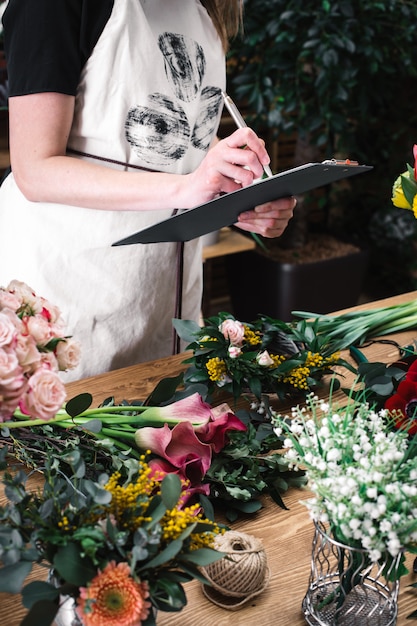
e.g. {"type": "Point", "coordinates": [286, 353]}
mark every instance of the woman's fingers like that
{"type": "Point", "coordinates": [270, 219]}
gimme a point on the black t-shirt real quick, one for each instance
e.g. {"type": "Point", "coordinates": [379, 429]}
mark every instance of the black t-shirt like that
{"type": "Point", "coordinates": [47, 42]}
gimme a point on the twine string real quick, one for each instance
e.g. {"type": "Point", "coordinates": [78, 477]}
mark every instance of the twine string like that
{"type": "Point", "coordinates": [240, 575]}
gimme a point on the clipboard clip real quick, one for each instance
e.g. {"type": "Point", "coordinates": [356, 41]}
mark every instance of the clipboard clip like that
{"type": "Point", "coordinates": [340, 162]}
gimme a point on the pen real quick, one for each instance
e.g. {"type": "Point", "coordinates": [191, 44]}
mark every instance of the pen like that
{"type": "Point", "coordinates": [240, 122]}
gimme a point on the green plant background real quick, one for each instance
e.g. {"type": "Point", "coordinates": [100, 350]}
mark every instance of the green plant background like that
{"type": "Point", "coordinates": [343, 76]}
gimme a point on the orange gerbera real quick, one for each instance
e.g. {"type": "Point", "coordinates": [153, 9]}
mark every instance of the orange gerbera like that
{"type": "Point", "coordinates": [113, 598]}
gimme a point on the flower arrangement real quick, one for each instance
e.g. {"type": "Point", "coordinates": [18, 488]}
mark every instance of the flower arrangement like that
{"type": "Point", "coordinates": [404, 191]}
{"type": "Point", "coordinates": [119, 546]}
{"type": "Point", "coordinates": [227, 458]}
{"type": "Point", "coordinates": [33, 349]}
{"type": "Point", "coordinates": [264, 356]}
{"type": "Point", "coordinates": [362, 473]}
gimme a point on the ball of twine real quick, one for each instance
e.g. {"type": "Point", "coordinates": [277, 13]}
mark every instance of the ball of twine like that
{"type": "Point", "coordinates": [240, 575]}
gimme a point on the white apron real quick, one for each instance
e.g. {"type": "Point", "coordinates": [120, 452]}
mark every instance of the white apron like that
{"type": "Point", "coordinates": [149, 96]}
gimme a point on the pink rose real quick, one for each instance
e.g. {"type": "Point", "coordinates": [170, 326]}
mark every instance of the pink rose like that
{"type": "Point", "coordinates": [49, 360]}
{"type": "Point", "coordinates": [233, 330]}
{"type": "Point", "coordinates": [8, 300]}
{"type": "Point", "coordinates": [39, 327]}
{"type": "Point", "coordinates": [45, 396]}
{"type": "Point", "coordinates": [68, 354]}
{"type": "Point", "coordinates": [234, 352]}
{"type": "Point", "coordinates": [25, 294]}
{"type": "Point", "coordinates": [11, 373]}
{"type": "Point", "coordinates": [264, 359]}
{"type": "Point", "coordinates": [52, 313]}
{"type": "Point", "coordinates": [27, 353]}
{"type": "Point", "coordinates": [7, 330]}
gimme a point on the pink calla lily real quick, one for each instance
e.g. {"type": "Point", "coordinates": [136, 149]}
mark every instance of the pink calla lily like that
{"type": "Point", "coordinates": [215, 432]}
{"type": "Point", "coordinates": [180, 446]}
{"type": "Point", "coordinates": [161, 467]}
{"type": "Point", "coordinates": [190, 409]}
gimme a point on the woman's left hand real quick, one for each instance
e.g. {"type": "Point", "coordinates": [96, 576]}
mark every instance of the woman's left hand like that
{"type": "Point", "coordinates": [270, 219]}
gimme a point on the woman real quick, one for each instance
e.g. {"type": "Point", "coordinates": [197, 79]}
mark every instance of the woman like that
{"type": "Point", "coordinates": [113, 107]}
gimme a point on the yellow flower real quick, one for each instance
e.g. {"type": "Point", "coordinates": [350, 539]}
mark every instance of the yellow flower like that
{"type": "Point", "coordinates": [398, 198]}
{"type": "Point", "coordinates": [216, 368]}
{"type": "Point", "coordinates": [253, 338]}
{"type": "Point", "coordinates": [113, 598]}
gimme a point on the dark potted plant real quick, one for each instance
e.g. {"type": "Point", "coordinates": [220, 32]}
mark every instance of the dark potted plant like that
{"type": "Point", "coordinates": [338, 80]}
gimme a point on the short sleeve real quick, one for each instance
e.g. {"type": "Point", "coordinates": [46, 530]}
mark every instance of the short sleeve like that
{"type": "Point", "coordinates": [47, 42]}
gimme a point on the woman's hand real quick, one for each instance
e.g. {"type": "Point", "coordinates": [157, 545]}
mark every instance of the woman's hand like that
{"type": "Point", "coordinates": [230, 164]}
{"type": "Point", "coordinates": [270, 219]}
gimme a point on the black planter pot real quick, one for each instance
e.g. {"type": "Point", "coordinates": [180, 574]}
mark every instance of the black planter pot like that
{"type": "Point", "coordinates": [259, 285]}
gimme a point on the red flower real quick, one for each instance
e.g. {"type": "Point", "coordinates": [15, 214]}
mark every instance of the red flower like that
{"type": "Point", "coordinates": [403, 404]}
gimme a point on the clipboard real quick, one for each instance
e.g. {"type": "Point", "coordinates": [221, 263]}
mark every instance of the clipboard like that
{"type": "Point", "coordinates": [224, 210]}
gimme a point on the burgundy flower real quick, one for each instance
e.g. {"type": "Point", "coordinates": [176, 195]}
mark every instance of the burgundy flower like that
{"type": "Point", "coordinates": [180, 446]}
{"type": "Point", "coordinates": [403, 404]}
{"type": "Point", "coordinates": [215, 432]}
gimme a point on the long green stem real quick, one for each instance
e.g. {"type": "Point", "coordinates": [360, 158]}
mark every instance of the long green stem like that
{"type": "Point", "coordinates": [357, 326]}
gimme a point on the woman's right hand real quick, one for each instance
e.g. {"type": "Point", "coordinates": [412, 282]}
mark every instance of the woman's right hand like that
{"type": "Point", "coordinates": [232, 163]}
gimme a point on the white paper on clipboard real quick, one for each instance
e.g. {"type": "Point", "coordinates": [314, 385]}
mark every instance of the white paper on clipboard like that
{"type": "Point", "coordinates": [224, 210]}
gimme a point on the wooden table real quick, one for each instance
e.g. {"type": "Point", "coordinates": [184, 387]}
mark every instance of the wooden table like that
{"type": "Point", "coordinates": [286, 535]}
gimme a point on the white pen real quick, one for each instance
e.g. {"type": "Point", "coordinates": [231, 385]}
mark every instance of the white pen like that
{"type": "Point", "coordinates": [240, 122]}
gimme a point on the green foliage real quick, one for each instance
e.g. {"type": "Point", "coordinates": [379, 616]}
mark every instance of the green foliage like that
{"type": "Point", "coordinates": [74, 526]}
{"type": "Point", "coordinates": [343, 75]}
{"type": "Point", "coordinates": [323, 68]}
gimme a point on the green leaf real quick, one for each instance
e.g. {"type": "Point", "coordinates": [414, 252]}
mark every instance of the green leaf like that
{"type": "Point", "coordinates": [79, 404]}
{"type": "Point", "coordinates": [70, 566]}
{"type": "Point", "coordinates": [164, 391]}
{"type": "Point", "coordinates": [203, 556]}
{"type": "Point", "coordinates": [36, 591]}
{"type": "Point", "coordinates": [170, 490]}
{"type": "Point", "coordinates": [168, 554]}
{"type": "Point", "coordinates": [13, 576]}
{"type": "Point", "coordinates": [186, 329]}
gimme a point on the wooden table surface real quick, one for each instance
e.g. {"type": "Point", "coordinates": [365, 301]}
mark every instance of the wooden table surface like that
{"type": "Point", "coordinates": [286, 535]}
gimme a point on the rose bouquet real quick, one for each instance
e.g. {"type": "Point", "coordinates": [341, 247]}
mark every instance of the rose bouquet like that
{"type": "Point", "coordinates": [33, 349]}
{"type": "Point", "coordinates": [404, 191]}
{"type": "Point", "coordinates": [260, 357]}
{"type": "Point", "coordinates": [117, 547]}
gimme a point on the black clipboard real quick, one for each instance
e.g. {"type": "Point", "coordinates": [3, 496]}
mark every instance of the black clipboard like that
{"type": "Point", "coordinates": [224, 210]}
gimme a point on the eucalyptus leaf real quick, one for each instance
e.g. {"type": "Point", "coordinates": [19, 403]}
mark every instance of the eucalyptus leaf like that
{"type": "Point", "coordinates": [13, 576]}
{"type": "Point", "coordinates": [186, 329]}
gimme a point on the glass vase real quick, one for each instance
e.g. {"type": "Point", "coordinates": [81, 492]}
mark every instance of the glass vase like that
{"type": "Point", "coordinates": [346, 588]}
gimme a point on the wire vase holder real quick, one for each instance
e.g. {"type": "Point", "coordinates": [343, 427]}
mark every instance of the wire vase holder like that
{"type": "Point", "coordinates": [346, 588]}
